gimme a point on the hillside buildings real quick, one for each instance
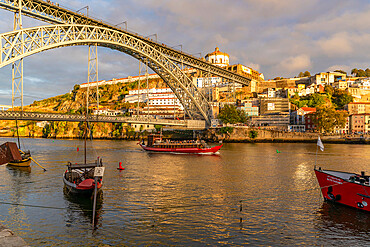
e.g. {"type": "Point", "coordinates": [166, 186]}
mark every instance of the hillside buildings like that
{"type": "Point", "coordinates": [266, 103]}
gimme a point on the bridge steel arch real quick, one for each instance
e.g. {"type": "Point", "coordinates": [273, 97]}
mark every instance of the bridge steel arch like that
{"type": "Point", "coordinates": [55, 14]}
{"type": "Point", "coordinates": [25, 42]}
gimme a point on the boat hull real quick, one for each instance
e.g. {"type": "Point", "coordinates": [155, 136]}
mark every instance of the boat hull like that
{"type": "Point", "coordinates": [183, 150]}
{"type": "Point", "coordinates": [23, 163]}
{"type": "Point", "coordinates": [82, 189]}
{"type": "Point", "coordinates": [337, 187]}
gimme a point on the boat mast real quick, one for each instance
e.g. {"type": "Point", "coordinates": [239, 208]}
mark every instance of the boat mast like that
{"type": "Point", "coordinates": [85, 132]}
{"type": "Point", "coordinates": [16, 124]}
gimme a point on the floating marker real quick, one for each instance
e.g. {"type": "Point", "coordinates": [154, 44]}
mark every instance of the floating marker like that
{"type": "Point", "coordinates": [277, 151]}
{"type": "Point", "coordinates": [78, 149]}
{"type": "Point", "coordinates": [120, 166]}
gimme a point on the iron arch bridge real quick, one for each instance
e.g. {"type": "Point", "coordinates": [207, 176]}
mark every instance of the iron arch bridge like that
{"type": "Point", "coordinates": [55, 14]}
{"type": "Point", "coordinates": [25, 42]}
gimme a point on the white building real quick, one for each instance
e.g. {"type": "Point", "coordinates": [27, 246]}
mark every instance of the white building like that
{"type": "Point", "coordinates": [127, 79]}
{"type": "Point", "coordinates": [218, 58]}
{"type": "Point", "coordinates": [107, 112]}
{"type": "Point", "coordinates": [161, 102]}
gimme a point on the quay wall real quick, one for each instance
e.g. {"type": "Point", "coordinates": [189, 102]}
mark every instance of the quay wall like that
{"type": "Point", "coordinates": [243, 134]}
{"type": "Point", "coordinates": [8, 238]}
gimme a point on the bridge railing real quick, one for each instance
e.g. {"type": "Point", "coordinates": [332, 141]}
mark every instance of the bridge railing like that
{"type": "Point", "coordinates": [42, 116]}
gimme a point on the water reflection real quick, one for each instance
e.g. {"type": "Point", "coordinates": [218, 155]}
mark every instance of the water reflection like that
{"type": "Point", "coordinates": [18, 194]}
{"type": "Point", "coordinates": [80, 208]}
{"type": "Point", "coordinates": [170, 199]}
{"type": "Point", "coordinates": [19, 171]}
{"type": "Point", "coordinates": [343, 218]}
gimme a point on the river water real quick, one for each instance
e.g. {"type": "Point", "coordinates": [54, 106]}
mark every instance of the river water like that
{"type": "Point", "coordinates": [247, 194]}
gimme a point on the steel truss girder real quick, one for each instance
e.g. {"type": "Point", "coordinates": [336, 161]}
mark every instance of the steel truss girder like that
{"type": "Point", "coordinates": [41, 116]}
{"type": "Point", "coordinates": [18, 44]}
{"type": "Point", "coordinates": [57, 15]}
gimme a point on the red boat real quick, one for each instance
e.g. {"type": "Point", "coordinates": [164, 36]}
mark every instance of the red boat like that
{"type": "Point", "coordinates": [155, 144]}
{"type": "Point", "coordinates": [79, 178]}
{"type": "Point", "coordinates": [346, 188]}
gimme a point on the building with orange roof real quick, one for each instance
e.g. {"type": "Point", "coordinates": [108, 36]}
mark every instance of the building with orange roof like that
{"type": "Point", "coordinates": [299, 119]}
{"type": "Point", "coordinates": [357, 108]}
{"type": "Point", "coordinates": [218, 58]}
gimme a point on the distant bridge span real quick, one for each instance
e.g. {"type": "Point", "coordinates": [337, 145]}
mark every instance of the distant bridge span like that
{"type": "Point", "coordinates": [40, 116]}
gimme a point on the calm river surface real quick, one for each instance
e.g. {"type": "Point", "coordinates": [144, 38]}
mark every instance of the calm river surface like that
{"type": "Point", "coordinates": [183, 200]}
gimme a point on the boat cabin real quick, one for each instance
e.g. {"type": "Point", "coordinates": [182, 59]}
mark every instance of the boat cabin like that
{"type": "Point", "coordinates": [154, 138]}
{"type": "Point", "coordinates": [76, 173]}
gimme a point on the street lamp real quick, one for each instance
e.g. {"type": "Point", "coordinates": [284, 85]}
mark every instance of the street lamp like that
{"type": "Point", "coordinates": [152, 35]}
{"type": "Point", "coordinates": [87, 10]}
{"type": "Point", "coordinates": [176, 46]}
{"type": "Point", "coordinates": [200, 54]}
{"type": "Point", "coordinates": [124, 22]}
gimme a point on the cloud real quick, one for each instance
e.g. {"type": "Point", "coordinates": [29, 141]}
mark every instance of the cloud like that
{"type": "Point", "coordinates": [337, 45]}
{"type": "Point", "coordinates": [277, 38]}
{"type": "Point", "coordinates": [294, 64]}
{"type": "Point", "coordinates": [345, 68]}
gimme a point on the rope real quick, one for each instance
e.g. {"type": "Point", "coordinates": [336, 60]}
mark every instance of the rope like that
{"type": "Point", "coordinates": [167, 207]}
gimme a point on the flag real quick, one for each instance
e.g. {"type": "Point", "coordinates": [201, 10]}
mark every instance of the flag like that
{"type": "Point", "coordinates": [319, 143]}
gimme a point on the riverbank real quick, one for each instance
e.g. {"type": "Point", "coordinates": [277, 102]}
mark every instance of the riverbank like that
{"type": "Point", "coordinates": [7, 238]}
{"type": "Point", "coordinates": [240, 134]}
{"type": "Point", "coordinates": [256, 135]}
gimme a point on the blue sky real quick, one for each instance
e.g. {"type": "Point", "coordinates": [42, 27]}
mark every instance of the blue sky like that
{"type": "Point", "coordinates": [275, 37]}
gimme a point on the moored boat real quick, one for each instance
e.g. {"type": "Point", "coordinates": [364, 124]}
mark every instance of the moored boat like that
{"type": "Point", "coordinates": [24, 162]}
{"type": "Point", "coordinates": [156, 144]}
{"type": "Point", "coordinates": [12, 156]}
{"type": "Point", "coordinates": [346, 188]}
{"type": "Point", "coordinates": [79, 178]}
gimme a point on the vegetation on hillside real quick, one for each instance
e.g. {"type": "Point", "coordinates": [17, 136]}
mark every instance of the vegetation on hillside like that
{"type": "Point", "coordinates": [304, 74]}
{"type": "Point", "coordinates": [229, 114]}
{"type": "Point", "coordinates": [110, 96]}
{"type": "Point", "coordinates": [329, 107]}
{"type": "Point", "coordinates": [360, 72]}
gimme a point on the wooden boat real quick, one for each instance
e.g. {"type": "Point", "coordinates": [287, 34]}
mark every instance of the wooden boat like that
{"type": "Point", "coordinates": [24, 162]}
{"type": "Point", "coordinates": [345, 188]}
{"type": "Point", "coordinates": [79, 178]}
{"type": "Point", "coordinates": [156, 144]}
{"type": "Point", "coordinates": [11, 155]}
{"type": "Point", "coordinates": [26, 159]}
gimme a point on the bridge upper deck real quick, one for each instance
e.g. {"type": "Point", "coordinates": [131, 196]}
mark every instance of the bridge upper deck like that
{"type": "Point", "coordinates": [42, 116]}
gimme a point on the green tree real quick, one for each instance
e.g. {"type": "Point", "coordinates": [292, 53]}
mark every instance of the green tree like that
{"type": "Point", "coordinates": [46, 131]}
{"type": "Point", "coordinates": [301, 74]}
{"type": "Point", "coordinates": [253, 134]}
{"type": "Point", "coordinates": [229, 114]}
{"type": "Point", "coordinates": [329, 90]}
{"type": "Point", "coordinates": [341, 118]}
{"type": "Point", "coordinates": [340, 98]}
{"type": "Point", "coordinates": [367, 72]}
{"type": "Point", "coordinates": [327, 118]}
{"type": "Point", "coordinates": [312, 100]}
{"type": "Point", "coordinates": [361, 73]}
{"type": "Point", "coordinates": [340, 71]}
{"type": "Point", "coordinates": [354, 71]}
{"type": "Point", "coordinates": [226, 130]}
{"type": "Point", "coordinates": [306, 73]}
